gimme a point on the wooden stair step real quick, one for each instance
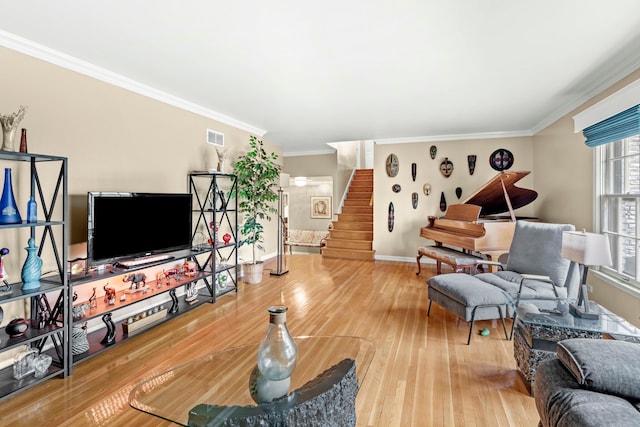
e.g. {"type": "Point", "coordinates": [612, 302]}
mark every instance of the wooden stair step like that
{"type": "Point", "coordinates": [358, 226]}
{"type": "Point", "coordinates": [349, 253]}
{"type": "Point", "coordinates": [359, 195]}
{"type": "Point", "coordinates": [357, 202]}
{"type": "Point", "coordinates": [348, 244]}
{"type": "Point", "coordinates": [350, 217]}
{"type": "Point", "coordinates": [357, 209]}
{"type": "Point", "coordinates": [351, 234]}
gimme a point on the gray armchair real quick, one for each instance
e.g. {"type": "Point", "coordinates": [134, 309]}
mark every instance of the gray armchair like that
{"type": "Point", "coordinates": [535, 271]}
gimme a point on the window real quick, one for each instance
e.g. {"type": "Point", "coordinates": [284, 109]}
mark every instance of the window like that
{"type": "Point", "coordinates": [618, 203]}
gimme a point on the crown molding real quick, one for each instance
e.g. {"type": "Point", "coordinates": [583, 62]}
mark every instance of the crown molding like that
{"type": "Point", "coordinates": [27, 47]}
{"type": "Point", "coordinates": [454, 137]}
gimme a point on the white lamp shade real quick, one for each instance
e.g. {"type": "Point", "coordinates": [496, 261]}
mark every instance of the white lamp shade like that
{"type": "Point", "coordinates": [284, 180]}
{"type": "Point", "coordinates": [586, 248]}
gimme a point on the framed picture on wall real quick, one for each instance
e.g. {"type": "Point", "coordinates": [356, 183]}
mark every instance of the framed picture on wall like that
{"type": "Point", "coordinates": [321, 207]}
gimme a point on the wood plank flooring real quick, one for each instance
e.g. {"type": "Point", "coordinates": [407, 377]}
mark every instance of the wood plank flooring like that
{"type": "Point", "coordinates": [423, 373]}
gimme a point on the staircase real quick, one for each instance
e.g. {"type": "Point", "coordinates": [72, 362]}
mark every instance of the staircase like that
{"type": "Point", "coordinates": [351, 236]}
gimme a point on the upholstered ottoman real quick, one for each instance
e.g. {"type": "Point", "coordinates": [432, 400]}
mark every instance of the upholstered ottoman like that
{"type": "Point", "coordinates": [469, 298]}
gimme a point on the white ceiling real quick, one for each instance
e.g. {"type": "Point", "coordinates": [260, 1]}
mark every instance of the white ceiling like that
{"type": "Point", "coordinates": [310, 73]}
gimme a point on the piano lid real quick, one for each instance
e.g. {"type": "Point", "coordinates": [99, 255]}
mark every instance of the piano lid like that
{"type": "Point", "coordinates": [491, 196]}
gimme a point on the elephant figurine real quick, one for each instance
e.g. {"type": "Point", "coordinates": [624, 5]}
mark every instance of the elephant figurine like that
{"type": "Point", "coordinates": [136, 279]}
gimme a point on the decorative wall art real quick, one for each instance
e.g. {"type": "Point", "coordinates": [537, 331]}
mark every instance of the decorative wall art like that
{"type": "Point", "coordinates": [446, 167]}
{"type": "Point", "coordinates": [396, 188]}
{"type": "Point", "coordinates": [433, 150]}
{"type": "Point", "coordinates": [321, 207]}
{"type": "Point", "coordinates": [501, 159]}
{"type": "Point", "coordinates": [414, 200]}
{"type": "Point", "coordinates": [443, 202]}
{"type": "Point", "coordinates": [458, 192]}
{"type": "Point", "coordinates": [426, 189]}
{"type": "Point", "coordinates": [414, 169]}
{"type": "Point", "coordinates": [393, 164]}
{"type": "Point", "coordinates": [390, 217]}
{"type": "Point", "coordinates": [471, 160]}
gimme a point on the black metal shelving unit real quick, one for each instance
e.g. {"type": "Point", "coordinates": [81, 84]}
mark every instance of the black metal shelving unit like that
{"type": "Point", "coordinates": [48, 330]}
{"type": "Point", "coordinates": [215, 202]}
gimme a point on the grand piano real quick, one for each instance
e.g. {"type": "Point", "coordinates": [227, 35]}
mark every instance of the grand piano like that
{"type": "Point", "coordinates": [474, 225]}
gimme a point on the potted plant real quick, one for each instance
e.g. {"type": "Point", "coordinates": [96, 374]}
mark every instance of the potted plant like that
{"type": "Point", "coordinates": [257, 173]}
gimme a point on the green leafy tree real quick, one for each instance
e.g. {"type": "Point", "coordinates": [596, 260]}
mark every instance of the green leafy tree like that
{"type": "Point", "coordinates": [257, 174]}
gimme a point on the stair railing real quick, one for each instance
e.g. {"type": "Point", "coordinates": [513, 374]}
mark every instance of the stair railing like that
{"type": "Point", "coordinates": [346, 191]}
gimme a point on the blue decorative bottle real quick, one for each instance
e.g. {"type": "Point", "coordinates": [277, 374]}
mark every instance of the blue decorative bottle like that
{"type": "Point", "coordinates": [9, 213]}
{"type": "Point", "coordinates": [32, 268]}
{"type": "Point", "coordinates": [32, 210]}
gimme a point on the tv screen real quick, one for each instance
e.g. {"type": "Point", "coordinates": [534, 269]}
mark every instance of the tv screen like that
{"type": "Point", "coordinates": [129, 225]}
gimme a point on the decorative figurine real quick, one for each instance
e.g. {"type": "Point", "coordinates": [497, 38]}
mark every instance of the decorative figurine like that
{"type": "Point", "coordinates": [446, 167]}
{"type": "Point", "coordinates": [110, 336]}
{"type": "Point", "coordinates": [471, 160]}
{"type": "Point", "coordinates": [227, 238]}
{"type": "Point", "coordinates": [109, 295]}
{"type": "Point", "coordinates": [136, 279]}
{"type": "Point", "coordinates": [93, 303]}
{"type": "Point", "coordinates": [221, 156]}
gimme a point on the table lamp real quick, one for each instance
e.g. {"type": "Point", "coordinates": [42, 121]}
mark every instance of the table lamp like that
{"type": "Point", "coordinates": [586, 249]}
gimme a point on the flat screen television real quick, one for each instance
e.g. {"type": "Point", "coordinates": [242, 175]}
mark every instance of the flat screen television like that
{"type": "Point", "coordinates": [131, 225]}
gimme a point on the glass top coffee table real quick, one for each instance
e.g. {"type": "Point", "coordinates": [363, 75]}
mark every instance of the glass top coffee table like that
{"type": "Point", "coordinates": [221, 380]}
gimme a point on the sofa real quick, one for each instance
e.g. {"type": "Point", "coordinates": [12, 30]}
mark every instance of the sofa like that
{"type": "Point", "coordinates": [306, 238]}
{"type": "Point", "coordinates": [592, 382]}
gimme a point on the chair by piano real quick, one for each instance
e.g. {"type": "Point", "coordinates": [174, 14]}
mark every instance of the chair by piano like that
{"type": "Point", "coordinates": [535, 272]}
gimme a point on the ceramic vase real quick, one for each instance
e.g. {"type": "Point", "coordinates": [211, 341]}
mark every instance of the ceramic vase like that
{"type": "Point", "coordinates": [8, 135]}
{"type": "Point", "coordinates": [9, 213]}
{"type": "Point", "coordinates": [32, 268]}
{"type": "Point", "coordinates": [79, 341]}
{"type": "Point", "coordinates": [277, 353]}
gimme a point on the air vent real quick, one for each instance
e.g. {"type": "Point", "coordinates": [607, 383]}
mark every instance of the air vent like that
{"type": "Point", "coordinates": [215, 138]}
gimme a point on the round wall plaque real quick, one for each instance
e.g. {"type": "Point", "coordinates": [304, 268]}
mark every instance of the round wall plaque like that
{"type": "Point", "coordinates": [396, 188]}
{"type": "Point", "coordinates": [393, 164]}
{"type": "Point", "coordinates": [501, 159]}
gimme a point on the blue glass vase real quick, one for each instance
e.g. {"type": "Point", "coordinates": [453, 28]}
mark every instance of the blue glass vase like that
{"type": "Point", "coordinates": [9, 213]}
{"type": "Point", "coordinates": [32, 268]}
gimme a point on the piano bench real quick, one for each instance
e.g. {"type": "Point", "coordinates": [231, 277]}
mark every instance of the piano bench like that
{"type": "Point", "coordinates": [458, 260]}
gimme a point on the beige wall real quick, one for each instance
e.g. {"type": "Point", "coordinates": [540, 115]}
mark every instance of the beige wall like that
{"type": "Point", "coordinates": [564, 178]}
{"type": "Point", "coordinates": [404, 240]}
{"type": "Point", "coordinates": [116, 140]}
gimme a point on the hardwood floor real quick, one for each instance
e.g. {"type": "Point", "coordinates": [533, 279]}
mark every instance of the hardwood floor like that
{"type": "Point", "coordinates": [423, 373]}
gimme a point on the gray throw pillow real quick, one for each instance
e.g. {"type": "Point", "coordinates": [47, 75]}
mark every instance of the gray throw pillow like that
{"type": "Point", "coordinates": [605, 366]}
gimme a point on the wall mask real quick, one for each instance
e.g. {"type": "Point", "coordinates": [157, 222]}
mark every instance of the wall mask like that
{"type": "Point", "coordinates": [446, 167]}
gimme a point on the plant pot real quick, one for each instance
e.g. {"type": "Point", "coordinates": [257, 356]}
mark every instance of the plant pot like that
{"type": "Point", "coordinates": [252, 273]}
